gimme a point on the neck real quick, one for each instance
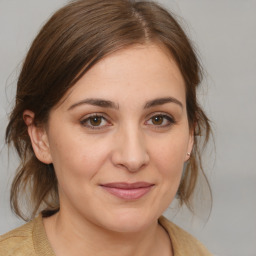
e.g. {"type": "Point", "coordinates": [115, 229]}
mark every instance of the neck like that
{"type": "Point", "coordinates": [71, 236]}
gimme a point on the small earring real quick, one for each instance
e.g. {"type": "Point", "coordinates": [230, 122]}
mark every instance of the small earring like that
{"type": "Point", "coordinates": [188, 154]}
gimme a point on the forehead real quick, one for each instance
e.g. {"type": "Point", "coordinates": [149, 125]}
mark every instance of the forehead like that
{"type": "Point", "coordinates": [140, 70]}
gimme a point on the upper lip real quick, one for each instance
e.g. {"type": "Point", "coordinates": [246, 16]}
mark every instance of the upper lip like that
{"type": "Point", "coordinates": [125, 185]}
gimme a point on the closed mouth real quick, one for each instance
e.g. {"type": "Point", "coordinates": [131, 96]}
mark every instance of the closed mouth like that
{"type": "Point", "coordinates": [128, 191]}
{"type": "Point", "coordinates": [125, 185]}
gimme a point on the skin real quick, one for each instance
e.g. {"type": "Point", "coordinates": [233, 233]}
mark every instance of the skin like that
{"type": "Point", "coordinates": [134, 141]}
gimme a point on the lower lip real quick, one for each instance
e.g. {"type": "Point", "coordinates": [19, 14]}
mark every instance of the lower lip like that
{"type": "Point", "coordinates": [128, 194]}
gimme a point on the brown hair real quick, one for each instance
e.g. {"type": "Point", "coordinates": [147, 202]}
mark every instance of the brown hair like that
{"type": "Point", "coordinates": [69, 44]}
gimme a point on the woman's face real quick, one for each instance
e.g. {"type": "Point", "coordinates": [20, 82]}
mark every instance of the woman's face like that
{"type": "Point", "coordinates": [119, 140]}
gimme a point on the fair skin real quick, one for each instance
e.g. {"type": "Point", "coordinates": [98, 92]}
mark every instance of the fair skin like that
{"type": "Point", "coordinates": [118, 143]}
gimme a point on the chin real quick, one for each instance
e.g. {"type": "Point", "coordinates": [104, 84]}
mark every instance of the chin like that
{"type": "Point", "coordinates": [129, 221]}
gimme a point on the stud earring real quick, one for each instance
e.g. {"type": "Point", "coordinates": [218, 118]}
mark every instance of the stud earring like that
{"type": "Point", "coordinates": [188, 154]}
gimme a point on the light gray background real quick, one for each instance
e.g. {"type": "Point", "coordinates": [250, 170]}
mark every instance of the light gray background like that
{"type": "Point", "coordinates": [224, 31]}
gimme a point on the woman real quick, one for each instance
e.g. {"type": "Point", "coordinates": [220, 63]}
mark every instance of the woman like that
{"type": "Point", "coordinates": [106, 115]}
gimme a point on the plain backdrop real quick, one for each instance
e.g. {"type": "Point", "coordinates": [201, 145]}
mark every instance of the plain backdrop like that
{"type": "Point", "coordinates": [224, 32]}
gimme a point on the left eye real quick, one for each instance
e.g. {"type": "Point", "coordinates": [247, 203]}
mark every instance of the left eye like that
{"type": "Point", "coordinates": [160, 120]}
{"type": "Point", "coordinates": [95, 121]}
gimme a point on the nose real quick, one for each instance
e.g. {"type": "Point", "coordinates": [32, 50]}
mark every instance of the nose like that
{"type": "Point", "coordinates": [130, 151]}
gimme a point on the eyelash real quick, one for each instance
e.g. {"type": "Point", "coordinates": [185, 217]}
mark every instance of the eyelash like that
{"type": "Point", "coordinates": [166, 118]}
{"type": "Point", "coordinates": [85, 121]}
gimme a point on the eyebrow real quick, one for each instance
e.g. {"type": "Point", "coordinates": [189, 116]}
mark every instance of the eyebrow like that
{"type": "Point", "coordinates": [161, 101]}
{"type": "Point", "coordinates": [109, 104]}
{"type": "Point", "coordinates": [96, 102]}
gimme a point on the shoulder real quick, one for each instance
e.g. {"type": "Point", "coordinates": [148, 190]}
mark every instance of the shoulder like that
{"type": "Point", "coordinates": [18, 242]}
{"type": "Point", "coordinates": [183, 243]}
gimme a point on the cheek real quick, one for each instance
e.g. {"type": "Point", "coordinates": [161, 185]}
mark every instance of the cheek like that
{"type": "Point", "coordinates": [170, 168]}
{"type": "Point", "coordinates": [168, 159]}
{"type": "Point", "coordinates": [169, 155]}
{"type": "Point", "coordinates": [75, 156]}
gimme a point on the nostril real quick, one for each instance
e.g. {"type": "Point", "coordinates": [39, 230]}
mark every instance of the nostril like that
{"type": "Point", "coordinates": [129, 151]}
{"type": "Point", "coordinates": [131, 164]}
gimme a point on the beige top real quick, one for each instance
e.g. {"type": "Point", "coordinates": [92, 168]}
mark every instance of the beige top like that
{"type": "Point", "coordinates": [31, 240]}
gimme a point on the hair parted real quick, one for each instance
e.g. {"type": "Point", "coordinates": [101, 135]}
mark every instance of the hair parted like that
{"type": "Point", "coordinates": [75, 38]}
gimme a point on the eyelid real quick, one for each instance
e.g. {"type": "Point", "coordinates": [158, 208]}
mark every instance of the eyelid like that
{"type": "Point", "coordinates": [169, 117]}
{"type": "Point", "coordinates": [86, 118]}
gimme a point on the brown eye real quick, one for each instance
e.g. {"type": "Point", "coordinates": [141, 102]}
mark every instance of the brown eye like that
{"type": "Point", "coordinates": [160, 121]}
{"type": "Point", "coordinates": [157, 120]}
{"type": "Point", "coordinates": [95, 120]}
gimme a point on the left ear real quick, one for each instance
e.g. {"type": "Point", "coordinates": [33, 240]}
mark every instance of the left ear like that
{"type": "Point", "coordinates": [190, 146]}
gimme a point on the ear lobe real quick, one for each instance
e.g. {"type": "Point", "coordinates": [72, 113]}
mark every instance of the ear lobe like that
{"type": "Point", "coordinates": [38, 137]}
{"type": "Point", "coordinates": [190, 146]}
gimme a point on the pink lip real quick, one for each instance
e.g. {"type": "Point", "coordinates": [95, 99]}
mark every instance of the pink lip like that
{"type": "Point", "coordinates": [128, 191]}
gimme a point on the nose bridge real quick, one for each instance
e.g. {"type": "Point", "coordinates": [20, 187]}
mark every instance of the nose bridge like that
{"type": "Point", "coordinates": [130, 150]}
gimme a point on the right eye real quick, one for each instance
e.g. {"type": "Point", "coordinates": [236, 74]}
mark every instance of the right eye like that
{"type": "Point", "coordinates": [95, 121]}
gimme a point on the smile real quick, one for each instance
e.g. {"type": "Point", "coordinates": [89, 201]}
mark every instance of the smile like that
{"type": "Point", "coordinates": [128, 191]}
